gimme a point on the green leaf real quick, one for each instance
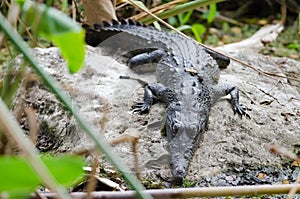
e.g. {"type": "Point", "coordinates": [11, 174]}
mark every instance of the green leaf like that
{"type": "Point", "coordinates": [172, 21]}
{"type": "Point", "coordinates": [184, 17]}
{"type": "Point", "coordinates": [293, 46]}
{"type": "Point", "coordinates": [55, 26]}
{"type": "Point", "coordinates": [184, 27]}
{"type": "Point", "coordinates": [212, 13]}
{"type": "Point", "coordinates": [65, 169]}
{"type": "Point", "coordinates": [198, 30]}
{"type": "Point", "coordinates": [180, 19]}
{"type": "Point", "coordinates": [18, 178]}
{"type": "Point", "coordinates": [187, 16]}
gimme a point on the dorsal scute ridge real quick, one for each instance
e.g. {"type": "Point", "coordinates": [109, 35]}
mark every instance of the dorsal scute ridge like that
{"type": "Point", "coordinates": [106, 24]}
{"type": "Point", "coordinates": [115, 22]}
{"type": "Point", "coordinates": [97, 26]}
{"type": "Point", "coordinates": [124, 22]}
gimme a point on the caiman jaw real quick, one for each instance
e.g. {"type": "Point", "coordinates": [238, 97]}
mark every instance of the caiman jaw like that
{"type": "Point", "coordinates": [179, 169]}
{"type": "Point", "coordinates": [183, 141]}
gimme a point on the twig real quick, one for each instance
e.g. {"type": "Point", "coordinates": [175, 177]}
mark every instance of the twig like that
{"type": "Point", "coordinates": [33, 123]}
{"type": "Point", "coordinates": [74, 10]}
{"type": "Point", "coordinates": [284, 152]}
{"type": "Point", "coordinates": [283, 11]}
{"type": "Point", "coordinates": [39, 196]}
{"type": "Point", "coordinates": [189, 192]}
{"type": "Point", "coordinates": [293, 190]}
{"type": "Point", "coordinates": [91, 185]}
{"type": "Point", "coordinates": [131, 136]}
{"type": "Point", "coordinates": [230, 57]}
{"type": "Point", "coordinates": [268, 92]}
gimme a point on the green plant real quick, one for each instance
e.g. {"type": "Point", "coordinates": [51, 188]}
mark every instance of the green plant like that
{"type": "Point", "coordinates": [19, 179]}
{"type": "Point", "coordinates": [188, 184]}
{"type": "Point", "coordinates": [198, 29]}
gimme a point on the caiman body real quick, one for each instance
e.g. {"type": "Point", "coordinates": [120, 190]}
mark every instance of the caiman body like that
{"type": "Point", "coordinates": [187, 82]}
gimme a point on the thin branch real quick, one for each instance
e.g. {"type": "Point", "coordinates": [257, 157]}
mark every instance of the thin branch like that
{"type": "Point", "coordinates": [189, 192]}
{"type": "Point", "coordinates": [91, 184]}
{"type": "Point", "coordinates": [283, 11]}
{"type": "Point", "coordinates": [293, 190]}
{"type": "Point", "coordinates": [275, 149]}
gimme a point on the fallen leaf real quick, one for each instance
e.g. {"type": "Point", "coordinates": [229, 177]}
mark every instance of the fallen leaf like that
{"type": "Point", "coordinates": [261, 175]}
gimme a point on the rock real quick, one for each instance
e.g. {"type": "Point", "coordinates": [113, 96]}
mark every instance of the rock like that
{"type": "Point", "coordinates": [230, 144]}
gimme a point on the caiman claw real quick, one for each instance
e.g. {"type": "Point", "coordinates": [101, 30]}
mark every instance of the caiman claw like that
{"type": "Point", "coordinates": [239, 109]}
{"type": "Point", "coordinates": [141, 108]}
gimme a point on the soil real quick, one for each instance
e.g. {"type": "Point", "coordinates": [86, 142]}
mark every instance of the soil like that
{"type": "Point", "coordinates": [230, 143]}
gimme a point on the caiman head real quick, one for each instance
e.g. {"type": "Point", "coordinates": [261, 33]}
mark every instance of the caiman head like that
{"type": "Point", "coordinates": [184, 128]}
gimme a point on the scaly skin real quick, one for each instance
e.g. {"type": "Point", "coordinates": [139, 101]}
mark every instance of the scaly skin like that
{"type": "Point", "coordinates": [187, 82]}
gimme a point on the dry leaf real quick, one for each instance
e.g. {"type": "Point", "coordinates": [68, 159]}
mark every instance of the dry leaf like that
{"type": "Point", "coordinates": [261, 175]}
{"type": "Point", "coordinates": [98, 11]}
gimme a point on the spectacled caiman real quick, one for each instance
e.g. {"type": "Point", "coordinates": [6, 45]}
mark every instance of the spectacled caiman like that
{"type": "Point", "coordinates": [187, 81]}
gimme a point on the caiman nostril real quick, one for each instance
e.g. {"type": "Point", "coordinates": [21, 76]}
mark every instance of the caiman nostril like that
{"type": "Point", "coordinates": [179, 172]}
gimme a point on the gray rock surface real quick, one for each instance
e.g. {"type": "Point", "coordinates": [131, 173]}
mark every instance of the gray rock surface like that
{"type": "Point", "coordinates": [105, 101]}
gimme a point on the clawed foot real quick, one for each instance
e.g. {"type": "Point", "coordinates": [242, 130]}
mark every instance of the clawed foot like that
{"type": "Point", "coordinates": [141, 108]}
{"type": "Point", "coordinates": [240, 110]}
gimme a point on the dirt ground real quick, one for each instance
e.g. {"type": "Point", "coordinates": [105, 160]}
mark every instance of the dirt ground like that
{"type": "Point", "coordinates": [105, 101]}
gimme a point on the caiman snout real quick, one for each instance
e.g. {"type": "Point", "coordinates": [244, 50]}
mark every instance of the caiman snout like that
{"type": "Point", "coordinates": [179, 173]}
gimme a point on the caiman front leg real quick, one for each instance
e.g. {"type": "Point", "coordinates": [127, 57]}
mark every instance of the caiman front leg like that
{"type": "Point", "coordinates": [153, 92]}
{"type": "Point", "coordinates": [225, 89]}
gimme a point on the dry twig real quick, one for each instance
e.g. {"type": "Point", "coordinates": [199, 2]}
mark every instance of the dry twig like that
{"type": "Point", "coordinates": [33, 123]}
{"type": "Point", "coordinates": [131, 136]}
{"type": "Point", "coordinates": [189, 192]}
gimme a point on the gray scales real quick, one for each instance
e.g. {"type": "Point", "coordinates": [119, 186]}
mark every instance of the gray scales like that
{"type": "Point", "coordinates": [187, 77]}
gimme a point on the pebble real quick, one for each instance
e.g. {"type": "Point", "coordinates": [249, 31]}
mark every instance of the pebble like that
{"type": "Point", "coordinates": [239, 175]}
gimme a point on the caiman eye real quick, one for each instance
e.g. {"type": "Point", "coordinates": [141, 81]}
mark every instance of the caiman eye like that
{"type": "Point", "coordinates": [193, 127]}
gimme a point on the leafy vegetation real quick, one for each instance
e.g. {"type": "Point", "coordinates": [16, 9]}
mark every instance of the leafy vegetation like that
{"type": "Point", "coordinates": [19, 179]}
{"type": "Point", "coordinates": [198, 29]}
{"type": "Point", "coordinates": [53, 25]}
